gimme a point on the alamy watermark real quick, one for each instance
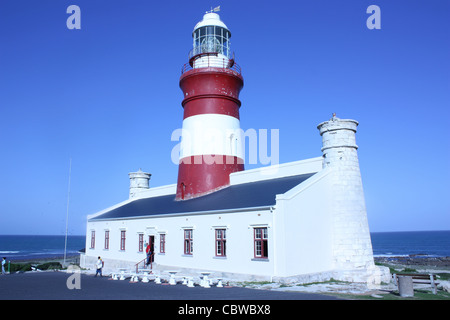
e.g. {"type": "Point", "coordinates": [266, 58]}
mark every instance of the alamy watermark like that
{"type": "Point", "coordinates": [374, 20]}
{"type": "Point", "coordinates": [74, 20]}
{"type": "Point", "coordinates": [213, 146]}
{"type": "Point", "coordinates": [73, 281]}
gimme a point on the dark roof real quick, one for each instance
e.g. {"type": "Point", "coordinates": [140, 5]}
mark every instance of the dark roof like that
{"type": "Point", "coordinates": [240, 196]}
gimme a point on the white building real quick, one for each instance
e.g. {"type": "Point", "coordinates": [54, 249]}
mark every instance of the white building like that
{"type": "Point", "coordinates": [302, 221]}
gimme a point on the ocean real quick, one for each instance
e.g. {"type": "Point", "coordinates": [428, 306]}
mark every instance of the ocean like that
{"type": "Point", "coordinates": [22, 247]}
{"type": "Point", "coordinates": [422, 243]}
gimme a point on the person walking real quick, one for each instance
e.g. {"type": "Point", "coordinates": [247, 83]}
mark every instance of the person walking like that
{"type": "Point", "coordinates": [3, 265]}
{"type": "Point", "coordinates": [99, 265]}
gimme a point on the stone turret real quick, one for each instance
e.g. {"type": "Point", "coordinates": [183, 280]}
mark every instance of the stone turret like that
{"type": "Point", "coordinates": [139, 182]}
{"type": "Point", "coordinates": [352, 246]}
{"type": "Point", "coordinates": [339, 143]}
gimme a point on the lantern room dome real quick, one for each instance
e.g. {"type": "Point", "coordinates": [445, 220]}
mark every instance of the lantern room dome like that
{"type": "Point", "coordinates": [210, 19]}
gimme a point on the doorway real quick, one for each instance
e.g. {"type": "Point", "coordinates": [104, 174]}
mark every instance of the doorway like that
{"type": "Point", "coordinates": [151, 242]}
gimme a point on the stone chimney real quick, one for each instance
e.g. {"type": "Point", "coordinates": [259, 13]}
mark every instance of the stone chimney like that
{"type": "Point", "coordinates": [139, 182]}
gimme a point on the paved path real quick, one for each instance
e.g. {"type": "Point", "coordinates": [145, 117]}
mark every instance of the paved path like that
{"type": "Point", "coordinates": [52, 286]}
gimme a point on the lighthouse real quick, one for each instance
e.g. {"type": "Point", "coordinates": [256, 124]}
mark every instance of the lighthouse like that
{"type": "Point", "coordinates": [298, 222]}
{"type": "Point", "coordinates": [211, 141]}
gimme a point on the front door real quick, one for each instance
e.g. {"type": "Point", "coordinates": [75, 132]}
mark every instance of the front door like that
{"type": "Point", "coordinates": [151, 241]}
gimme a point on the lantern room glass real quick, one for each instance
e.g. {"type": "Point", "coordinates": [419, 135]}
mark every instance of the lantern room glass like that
{"type": "Point", "coordinates": [211, 39]}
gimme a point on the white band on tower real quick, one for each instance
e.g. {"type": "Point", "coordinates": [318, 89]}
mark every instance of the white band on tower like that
{"type": "Point", "coordinates": [211, 134]}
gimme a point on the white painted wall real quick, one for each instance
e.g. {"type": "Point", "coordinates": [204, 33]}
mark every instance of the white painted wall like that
{"type": "Point", "coordinates": [303, 228]}
{"type": "Point", "coordinates": [239, 226]}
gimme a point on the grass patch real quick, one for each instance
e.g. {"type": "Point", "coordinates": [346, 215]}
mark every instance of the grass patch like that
{"type": "Point", "coordinates": [331, 281]}
{"type": "Point", "coordinates": [443, 276]}
{"type": "Point", "coordinates": [20, 267]}
{"type": "Point", "coordinates": [24, 267]}
{"type": "Point", "coordinates": [252, 283]}
{"type": "Point", "coordinates": [49, 266]}
{"type": "Point", "coordinates": [409, 270]}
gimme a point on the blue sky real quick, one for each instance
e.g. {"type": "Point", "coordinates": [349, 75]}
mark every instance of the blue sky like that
{"type": "Point", "coordinates": [107, 96]}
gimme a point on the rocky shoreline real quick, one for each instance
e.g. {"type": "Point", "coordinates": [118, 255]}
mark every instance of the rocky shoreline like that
{"type": "Point", "coordinates": [415, 260]}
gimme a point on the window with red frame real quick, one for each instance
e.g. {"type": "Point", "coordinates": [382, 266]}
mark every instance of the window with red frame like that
{"type": "Point", "coordinates": [106, 239]}
{"type": "Point", "coordinates": [162, 243]}
{"type": "Point", "coordinates": [188, 241]}
{"type": "Point", "coordinates": [122, 239]}
{"type": "Point", "coordinates": [260, 242]}
{"type": "Point", "coordinates": [92, 239]}
{"type": "Point", "coordinates": [221, 243]}
{"type": "Point", "coordinates": [141, 242]}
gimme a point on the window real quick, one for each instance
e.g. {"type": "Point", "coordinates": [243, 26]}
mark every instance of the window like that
{"type": "Point", "coordinates": [183, 190]}
{"type": "Point", "coordinates": [221, 242]}
{"type": "Point", "coordinates": [211, 39]}
{"type": "Point", "coordinates": [141, 242]}
{"type": "Point", "coordinates": [162, 243]}
{"type": "Point", "coordinates": [260, 241]}
{"type": "Point", "coordinates": [188, 241]}
{"type": "Point", "coordinates": [122, 239]}
{"type": "Point", "coordinates": [106, 239]}
{"type": "Point", "coordinates": [92, 239]}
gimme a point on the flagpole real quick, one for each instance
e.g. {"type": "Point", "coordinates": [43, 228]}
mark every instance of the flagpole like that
{"type": "Point", "coordinates": [67, 212]}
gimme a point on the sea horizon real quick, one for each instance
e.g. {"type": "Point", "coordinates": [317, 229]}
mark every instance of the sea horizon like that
{"type": "Point", "coordinates": [24, 247]}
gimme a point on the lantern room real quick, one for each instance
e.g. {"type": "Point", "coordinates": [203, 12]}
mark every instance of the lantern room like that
{"type": "Point", "coordinates": [211, 43]}
{"type": "Point", "coordinates": [211, 35]}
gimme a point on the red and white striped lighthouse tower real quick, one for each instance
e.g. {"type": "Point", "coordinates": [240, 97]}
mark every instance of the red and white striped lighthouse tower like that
{"type": "Point", "coordinates": [211, 144]}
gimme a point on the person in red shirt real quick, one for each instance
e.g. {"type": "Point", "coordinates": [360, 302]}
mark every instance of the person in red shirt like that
{"type": "Point", "coordinates": [148, 252]}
